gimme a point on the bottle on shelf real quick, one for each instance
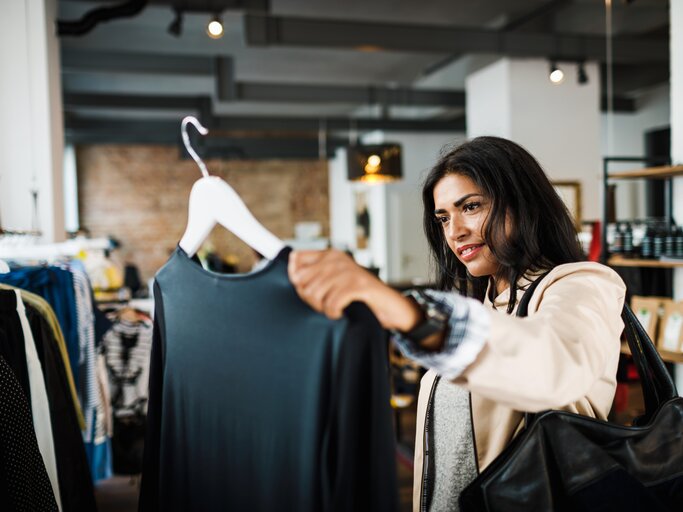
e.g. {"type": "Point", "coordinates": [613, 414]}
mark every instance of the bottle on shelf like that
{"type": "Point", "coordinates": [658, 243]}
{"type": "Point", "coordinates": [679, 242]}
{"type": "Point", "coordinates": [646, 244]}
{"type": "Point", "coordinates": [618, 242]}
{"type": "Point", "coordinates": [627, 241]}
{"type": "Point", "coordinates": [670, 242]}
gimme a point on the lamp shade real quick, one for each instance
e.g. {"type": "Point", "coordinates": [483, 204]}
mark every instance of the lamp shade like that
{"type": "Point", "coordinates": [379, 163]}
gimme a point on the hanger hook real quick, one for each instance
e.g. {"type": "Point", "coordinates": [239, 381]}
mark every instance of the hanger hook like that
{"type": "Point", "coordinates": [186, 140]}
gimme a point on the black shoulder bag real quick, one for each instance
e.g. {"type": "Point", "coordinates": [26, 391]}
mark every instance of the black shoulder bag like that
{"type": "Point", "coordinates": [567, 462]}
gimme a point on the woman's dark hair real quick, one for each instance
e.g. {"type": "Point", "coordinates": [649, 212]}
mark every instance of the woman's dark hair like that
{"type": "Point", "coordinates": [541, 234]}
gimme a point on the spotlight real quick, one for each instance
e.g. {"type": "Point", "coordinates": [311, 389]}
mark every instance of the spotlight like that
{"type": "Point", "coordinates": [215, 27]}
{"type": "Point", "coordinates": [176, 26]}
{"type": "Point", "coordinates": [581, 75]}
{"type": "Point", "coordinates": [556, 74]}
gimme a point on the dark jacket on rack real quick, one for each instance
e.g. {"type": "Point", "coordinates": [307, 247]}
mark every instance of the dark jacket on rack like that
{"type": "Point", "coordinates": [75, 482]}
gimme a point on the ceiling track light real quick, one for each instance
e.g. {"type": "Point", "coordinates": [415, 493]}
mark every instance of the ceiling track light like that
{"type": "Point", "coordinates": [176, 26]}
{"type": "Point", "coordinates": [556, 74]}
{"type": "Point", "coordinates": [215, 27]}
{"type": "Point", "coordinates": [581, 75]}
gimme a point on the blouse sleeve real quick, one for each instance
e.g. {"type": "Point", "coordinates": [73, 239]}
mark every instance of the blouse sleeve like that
{"type": "Point", "coordinates": [546, 360]}
{"type": "Point", "coordinates": [469, 326]}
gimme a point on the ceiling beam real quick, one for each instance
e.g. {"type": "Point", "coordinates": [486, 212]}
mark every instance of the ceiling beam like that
{"type": "Point", "coordinates": [210, 6]}
{"type": "Point", "coordinates": [73, 102]}
{"type": "Point", "coordinates": [546, 9]}
{"type": "Point", "coordinates": [273, 125]}
{"type": "Point", "coordinates": [79, 61]}
{"type": "Point", "coordinates": [632, 78]}
{"type": "Point", "coordinates": [268, 30]}
{"type": "Point", "coordinates": [513, 24]}
{"type": "Point", "coordinates": [363, 95]}
{"type": "Point", "coordinates": [218, 144]}
{"type": "Point", "coordinates": [228, 90]}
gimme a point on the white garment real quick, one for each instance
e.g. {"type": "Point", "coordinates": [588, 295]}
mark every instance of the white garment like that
{"type": "Point", "coordinates": [40, 408]}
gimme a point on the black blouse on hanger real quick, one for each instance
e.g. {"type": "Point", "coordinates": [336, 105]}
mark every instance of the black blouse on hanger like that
{"type": "Point", "coordinates": [259, 403]}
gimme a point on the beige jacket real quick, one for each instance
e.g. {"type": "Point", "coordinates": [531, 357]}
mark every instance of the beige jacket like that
{"type": "Point", "coordinates": [564, 355]}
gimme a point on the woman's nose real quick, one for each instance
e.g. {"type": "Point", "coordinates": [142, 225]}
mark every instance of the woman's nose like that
{"type": "Point", "coordinates": [457, 229]}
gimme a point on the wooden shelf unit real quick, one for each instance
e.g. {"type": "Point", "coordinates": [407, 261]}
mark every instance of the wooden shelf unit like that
{"type": "Point", "coordinates": [620, 261]}
{"type": "Point", "coordinates": [668, 357]}
{"type": "Point", "coordinates": [664, 172]}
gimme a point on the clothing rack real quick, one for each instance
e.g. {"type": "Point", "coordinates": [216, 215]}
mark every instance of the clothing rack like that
{"type": "Point", "coordinates": [16, 248]}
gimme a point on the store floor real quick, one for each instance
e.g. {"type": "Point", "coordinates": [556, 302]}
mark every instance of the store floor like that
{"type": "Point", "coordinates": [120, 493]}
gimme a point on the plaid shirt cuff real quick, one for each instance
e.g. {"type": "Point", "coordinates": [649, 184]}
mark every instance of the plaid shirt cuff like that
{"type": "Point", "coordinates": [469, 326]}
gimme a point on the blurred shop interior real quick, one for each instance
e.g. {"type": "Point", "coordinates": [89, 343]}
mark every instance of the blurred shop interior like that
{"type": "Point", "coordinates": [324, 117]}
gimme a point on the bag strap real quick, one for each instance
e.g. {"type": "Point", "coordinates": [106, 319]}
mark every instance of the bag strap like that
{"type": "Point", "coordinates": [656, 382]}
{"type": "Point", "coordinates": [522, 311]}
{"type": "Point", "coordinates": [523, 306]}
{"type": "Point", "coordinates": [657, 385]}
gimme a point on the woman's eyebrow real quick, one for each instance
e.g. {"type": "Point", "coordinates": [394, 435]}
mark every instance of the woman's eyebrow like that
{"type": "Point", "coordinates": [458, 203]}
{"type": "Point", "coordinates": [464, 198]}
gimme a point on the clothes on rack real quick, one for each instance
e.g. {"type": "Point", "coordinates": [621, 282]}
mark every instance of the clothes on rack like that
{"type": "Point", "coordinates": [52, 326]}
{"type": "Point", "coordinates": [66, 289]}
{"type": "Point", "coordinates": [24, 484]}
{"type": "Point", "coordinates": [89, 393]}
{"type": "Point", "coordinates": [75, 480]}
{"type": "Point", "coordinates": [25, 332]}
{"type": "Point", "coordinates": [40, 409]}
{"type": "Point", "coordinates": [259, 403]}
{"type": "Point", "coordinates": [55, 285]}
{"type": "Point", "coordinates": [127, 347]}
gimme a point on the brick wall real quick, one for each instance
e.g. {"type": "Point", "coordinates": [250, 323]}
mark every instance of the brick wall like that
{"type": "Point", "coordinates": [139, 195]}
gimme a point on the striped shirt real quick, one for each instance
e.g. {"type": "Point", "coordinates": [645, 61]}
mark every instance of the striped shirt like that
{"type": "Point", "coordinates": [469, 325]}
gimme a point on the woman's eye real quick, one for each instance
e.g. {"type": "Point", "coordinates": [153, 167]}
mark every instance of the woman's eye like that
{"type": "Point", "coordinates": [471, 206]}
{"type": "Point", "coordinates": [442, 220]}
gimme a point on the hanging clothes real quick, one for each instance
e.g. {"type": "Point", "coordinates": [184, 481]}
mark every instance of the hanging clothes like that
{"type": "Point", "coordinates": [12, 341]}
{"type": "Point", "coordinates": [259, 403]}
{"type": "Point", "coordinates": [52, 326]}
{"type": "Point", "coordinates": [127, 347]}
{"type": "Point", "coordinates": [56, 286]}
{"type": "Point", "coordinates": [40, 408]}
{"type": "Point", "coordinates": [75, 489]}
{"type": "Point", "coordinates": [75, 481]}
{"type": "Point", "coordinates": [68, 292]}
{"type": "Point", "coordinates": [88, 393]}
{"type": "Point", "coordinates": [96, 436]}
{"type": "Point", "coordinates": [24, 484]}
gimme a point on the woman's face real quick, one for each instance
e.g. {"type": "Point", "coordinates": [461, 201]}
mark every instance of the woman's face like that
{"type": "Point", "coordinates": [462, 210]}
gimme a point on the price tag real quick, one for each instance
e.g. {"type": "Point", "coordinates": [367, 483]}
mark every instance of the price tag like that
{"type": "Point", "coordinates": [672, 332]}
{"type": "Point", "coordinates": [644, 315]}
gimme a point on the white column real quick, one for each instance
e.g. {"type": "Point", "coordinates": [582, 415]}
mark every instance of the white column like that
{"type": "Point", "coordinates": [558, 124]}
{"type": "Point", "coordinates": [31, 127]}
{"type": "Point", "coordinates": [676, 79]}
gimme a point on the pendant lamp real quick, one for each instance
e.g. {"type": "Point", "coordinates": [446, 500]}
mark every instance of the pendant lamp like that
{"type": "Point", "coordinates": [377, 163]}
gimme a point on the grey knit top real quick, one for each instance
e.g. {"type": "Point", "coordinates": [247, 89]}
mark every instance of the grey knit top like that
{"type": "Point", "coordinates": [452, 446]}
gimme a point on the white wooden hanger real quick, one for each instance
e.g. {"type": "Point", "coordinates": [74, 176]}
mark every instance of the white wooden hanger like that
{"type": "Point", "coordinates": [213, 201]}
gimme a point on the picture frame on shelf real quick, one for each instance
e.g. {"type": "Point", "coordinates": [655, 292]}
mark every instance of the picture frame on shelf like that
{"type": "Point", "coordinates": [570, 193]}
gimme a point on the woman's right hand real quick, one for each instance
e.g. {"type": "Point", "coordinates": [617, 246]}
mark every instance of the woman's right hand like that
{"type": "Point", "coordinates": [330, 280]}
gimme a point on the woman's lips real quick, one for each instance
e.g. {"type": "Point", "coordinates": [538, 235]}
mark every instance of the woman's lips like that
{"type": "Point", "coordinates": [471, 252]}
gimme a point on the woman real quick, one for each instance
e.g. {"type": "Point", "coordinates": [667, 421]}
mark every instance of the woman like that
{"type": "Point", "coordinates": [494, 225]}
